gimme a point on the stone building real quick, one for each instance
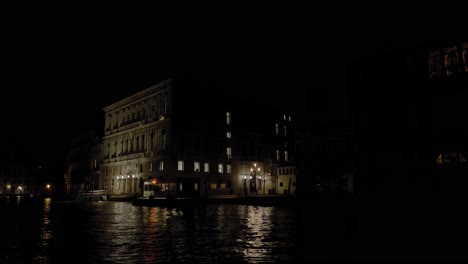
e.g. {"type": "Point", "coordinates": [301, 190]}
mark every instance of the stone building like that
{"type": "Point", "coordinates": [176, 138]}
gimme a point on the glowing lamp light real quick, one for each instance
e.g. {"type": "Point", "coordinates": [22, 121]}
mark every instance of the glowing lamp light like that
{"type": "Point", "coordinates": [154, 181]}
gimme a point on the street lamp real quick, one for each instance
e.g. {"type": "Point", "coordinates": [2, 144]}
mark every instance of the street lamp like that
{"type": "Point", "coordinates": [48, 189]}
{"type": "Point", "coordinates": [253, 173]}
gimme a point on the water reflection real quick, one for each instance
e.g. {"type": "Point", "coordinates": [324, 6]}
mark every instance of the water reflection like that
{"type": "Point", "coordinates": [118, 232]}
{"type": "Point", "coordinates": [46, 234]}
{"type": "Point", "coordinates": [253, 241]}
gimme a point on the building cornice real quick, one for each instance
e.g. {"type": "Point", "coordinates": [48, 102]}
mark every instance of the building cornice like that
{"type": "Point", "coordinates": [140, 95]}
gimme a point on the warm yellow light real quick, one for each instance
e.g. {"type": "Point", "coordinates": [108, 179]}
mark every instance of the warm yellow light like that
{"type": "Point", "coordinates": [48, 186]}
{"type": "Point", "coordinates": [154, 181]}
{"type": "Point", "coordinates": [255, 164]}
{"type": "Point", "coordinates": [251, 169]}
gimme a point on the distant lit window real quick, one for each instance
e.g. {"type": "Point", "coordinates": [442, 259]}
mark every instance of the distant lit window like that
{"type": "Point", "coordinates": [289, 118]}
{"type": "Point", "coordinates": [196, 166]}
{"type": "Point", "coordinates": [180, 165]}
{"type": "Point", "coordinates": [228, 152]}
{"type": "Point", "coordinates": [285, 130]}
{"type": "Point", "coordinates": [180, 186]}
{"type": "Point", "coordinates": [228, 168]}
{"type": "Point", "coordinates": [161, 165]}
{"type": "Point", "coordinates": [228, 118]}
{"type": "Point", "coordinates": [450, 157]}
{"type": "Point", "coordinates": [228, 134]}
{"type": "Point", "coordinates": [220, 168]}
{"type": "Point", "coordinates": [284, 116]}
{"type": "Point", "coordinates": [206, 167]}
{"type": "Point", "coordinates": [195, 187]}
{"type": "Point", "coordinates": [286, 155]}
{"type": "Point", "coordinates": [277, 154]}
{"type": "Point", "coordinates": [277, 128]}
{"type": "Point", "coordinates": [213, 186]}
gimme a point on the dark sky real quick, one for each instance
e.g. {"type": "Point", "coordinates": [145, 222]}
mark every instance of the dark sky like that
{"type": "Point", "coordinates": [60, 70]}
{"type": "Point", "coordinates": [57, 78]}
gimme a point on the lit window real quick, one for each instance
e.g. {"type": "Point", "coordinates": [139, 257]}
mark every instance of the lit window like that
{"type": "Point", "coordinates": [180, 186]}
{"type": "Point", "coordinates": [228, 168]}
{"type": "Point", "coordinates": [228, 152]}
{"type": "Point", "coordinates": [213, 186]}
{"type": "Point", "coordinates": [284, 117]}
{"type": "Point", "coordinates": [196, 166]}
{"type": "Point", "coordinates": [161, 165]}
{"type": "Point", "coordinates": [228, 134]}
{"type": "Point", "coordinates": [286, 155]}
{"type": "Point", "coordinates": [277, 128]}
{"type": "Point", "coordinates": [277, 154]}
{"type": "Point", "coordinates": [285, 131]}
{"type": "Point", "coordinates": [220, 168]}
{"type": "Point", "coordinates": [180, 165]}
{"type": "Point", "coordinates": [289, 118]}
{"type": "Point", "coordinates": [195, 187]}
{"type": "Point", "coordinates": [206, 167]}
{"type": "Point", "coordinates": [228, 118]}
{"type": "Point", "coordinates": [450, 157]}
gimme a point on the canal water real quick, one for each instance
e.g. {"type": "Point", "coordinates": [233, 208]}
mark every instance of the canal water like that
{"type": "Point", "coordinates": [48, 231]}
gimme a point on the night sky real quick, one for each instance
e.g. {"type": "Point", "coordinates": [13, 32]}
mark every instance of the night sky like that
{"type": "Point", "coordinates": [61, 70]}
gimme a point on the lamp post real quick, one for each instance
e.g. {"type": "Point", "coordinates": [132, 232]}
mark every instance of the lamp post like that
{"type": "Point", "coordinates": [245, 185]}
{"type": "Point", "coordinates": [264, 180]}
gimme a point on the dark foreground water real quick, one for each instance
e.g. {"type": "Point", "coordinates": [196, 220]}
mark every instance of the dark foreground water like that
{"type": "Point", "coordinates": [47, 231]}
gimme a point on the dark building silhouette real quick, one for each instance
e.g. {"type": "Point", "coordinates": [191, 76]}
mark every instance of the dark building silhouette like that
{"type": "Point", "coordinates": [407, 105]}
{"type": "Point", "coordinates": [20, 174]}
{"type": "Point", "coordinates": [82, 165]}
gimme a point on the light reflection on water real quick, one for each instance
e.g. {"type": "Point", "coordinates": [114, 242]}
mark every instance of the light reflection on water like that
{"type": "Point", "coordinates": [118, 232]}
{"type": "Point", "coordinates": [45, 234]}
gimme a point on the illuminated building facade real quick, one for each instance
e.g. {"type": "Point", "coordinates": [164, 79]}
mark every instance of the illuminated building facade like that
{"type": "Point", "coordinates": [175, 139]}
